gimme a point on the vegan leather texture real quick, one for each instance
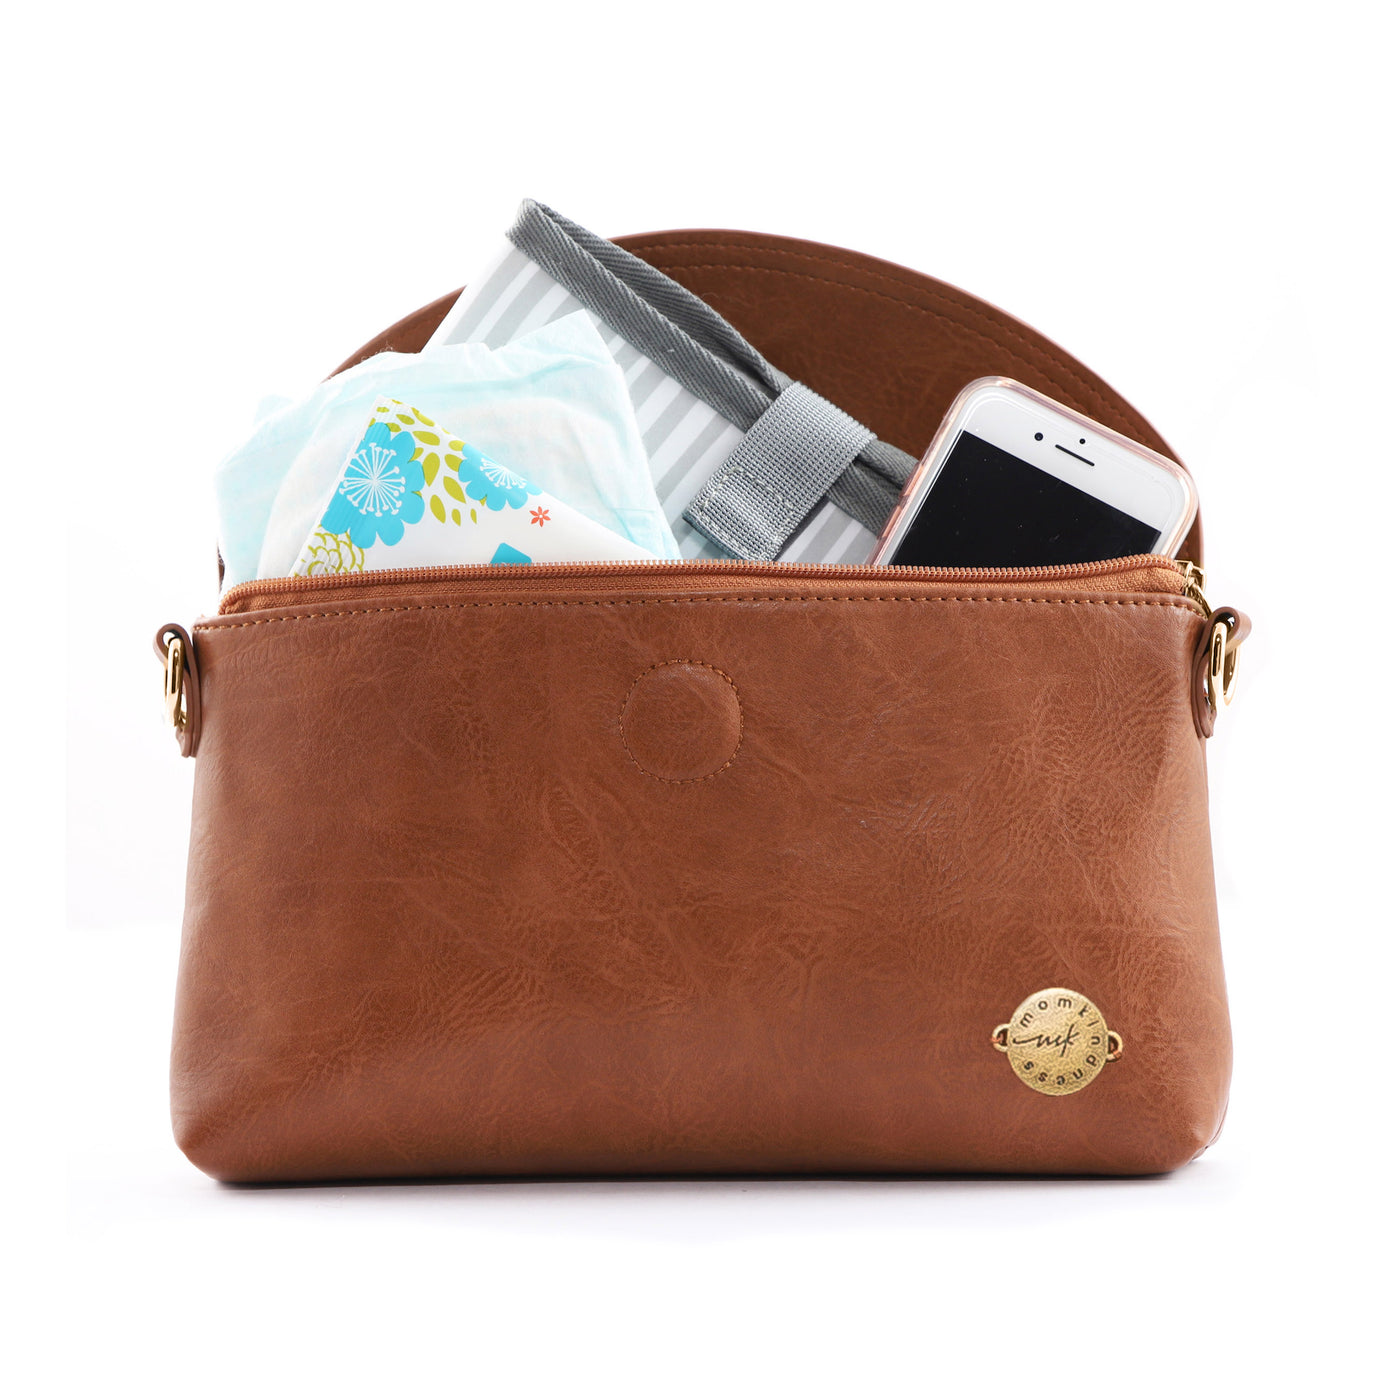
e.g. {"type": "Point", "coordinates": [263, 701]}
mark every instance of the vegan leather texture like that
{"type": "Point", "coordinates": [440, 921]}
{"type": "Point", "coordinates": [705, 871]}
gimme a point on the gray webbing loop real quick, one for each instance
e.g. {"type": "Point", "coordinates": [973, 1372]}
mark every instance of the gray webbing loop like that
{"type": "Point", "coordinates": [698, 348]}
{"type": "Point", "coordinates": [774, 478]}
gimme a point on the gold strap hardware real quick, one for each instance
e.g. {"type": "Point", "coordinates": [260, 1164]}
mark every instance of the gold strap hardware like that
{"type": "Point", "coordinates": [176, 712]}
{"type": "Point", "coordinates": [1222, 670]}
{"type": "Point", "coordinates": [179, 666]}
{"type": "Point", "coordinates": [1228, 629]}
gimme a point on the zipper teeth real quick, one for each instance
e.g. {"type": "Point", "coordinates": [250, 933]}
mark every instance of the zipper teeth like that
{"type": "Point", "coordinates": [464, 573]}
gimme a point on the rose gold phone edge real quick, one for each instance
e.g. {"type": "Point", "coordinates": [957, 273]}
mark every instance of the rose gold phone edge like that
{"type": "Point", "coordinates": [906, 508]}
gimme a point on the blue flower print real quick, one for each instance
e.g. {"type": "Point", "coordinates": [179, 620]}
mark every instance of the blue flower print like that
{"type": "Point", "coordinates": [492, 484]}
{"type": "Point", "coordinates": [378, 492]}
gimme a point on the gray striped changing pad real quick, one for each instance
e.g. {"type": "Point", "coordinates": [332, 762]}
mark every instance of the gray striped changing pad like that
{"type": "Point", "coordinates": [685, 439]}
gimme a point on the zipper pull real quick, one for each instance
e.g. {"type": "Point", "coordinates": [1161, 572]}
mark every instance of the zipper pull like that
{"type": "Point", "coordinates": [1195, 577]}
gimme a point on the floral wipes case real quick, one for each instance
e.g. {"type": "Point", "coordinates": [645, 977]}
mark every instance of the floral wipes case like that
{"type": "Point", "coordinates": [411, 495]}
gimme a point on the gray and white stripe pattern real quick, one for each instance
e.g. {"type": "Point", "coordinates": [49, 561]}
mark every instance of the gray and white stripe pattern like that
{"type": "Point", "coordinates": [686, 440]}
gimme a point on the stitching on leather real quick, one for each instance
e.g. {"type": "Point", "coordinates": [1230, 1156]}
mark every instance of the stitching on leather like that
{"type": "Point", "coordinates": [1180, 604]}
{"type": "Point", "coordinates": [679, 661]}
{"type": "Point", "coordinates": [1048, 353]}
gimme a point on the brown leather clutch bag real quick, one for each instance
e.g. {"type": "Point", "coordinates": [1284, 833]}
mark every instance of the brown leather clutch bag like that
{"type": "Point", "coordinates": [713, 867]}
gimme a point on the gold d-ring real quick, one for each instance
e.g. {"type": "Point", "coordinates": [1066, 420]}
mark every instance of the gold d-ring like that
{"type": "Point", "coordinates": [176, 712]}
{"type": "Point", "coordinates": [1222, 669]}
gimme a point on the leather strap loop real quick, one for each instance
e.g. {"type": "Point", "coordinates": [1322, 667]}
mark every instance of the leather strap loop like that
{"type": "Point", "coordinates": [1236, 626]}
{"type": "Point", "coordinates": [187, 726]}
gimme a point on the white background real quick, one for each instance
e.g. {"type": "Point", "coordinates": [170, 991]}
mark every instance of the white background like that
{"type": "Point", "coordinates": [211, 204]}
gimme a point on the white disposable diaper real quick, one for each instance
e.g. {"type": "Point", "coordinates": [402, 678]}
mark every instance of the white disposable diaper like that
{"type": "Point", "coordinates": [553, 403]}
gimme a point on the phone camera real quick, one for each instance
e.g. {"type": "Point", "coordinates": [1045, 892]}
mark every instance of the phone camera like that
{"type": "Point", "coordinates": [1040, 437]}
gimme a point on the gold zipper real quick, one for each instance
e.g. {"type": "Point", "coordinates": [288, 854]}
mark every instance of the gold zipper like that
{"type": "Point", "coordinates": [1195, 588]}
{"type": "Point", "coordinates": [275, 589]}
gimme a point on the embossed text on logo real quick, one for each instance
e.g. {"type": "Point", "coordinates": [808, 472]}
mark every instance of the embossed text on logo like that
{"type": "Point", "coordinates": [1049, 1042]}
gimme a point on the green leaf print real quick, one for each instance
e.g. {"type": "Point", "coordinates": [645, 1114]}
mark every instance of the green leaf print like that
{"type": "Point", "coordinates": [331, 554]}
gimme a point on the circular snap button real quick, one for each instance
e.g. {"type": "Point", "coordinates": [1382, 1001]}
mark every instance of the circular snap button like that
{"type": "Point", "coordinates": [681, 721]}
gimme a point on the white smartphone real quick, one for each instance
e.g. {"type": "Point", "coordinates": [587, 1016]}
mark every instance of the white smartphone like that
{"type": "Point", "coordinates": [1014, 479]}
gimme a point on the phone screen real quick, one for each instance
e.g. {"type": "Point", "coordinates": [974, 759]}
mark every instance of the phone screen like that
{"type": "Point", "coordinates": [989, 509]}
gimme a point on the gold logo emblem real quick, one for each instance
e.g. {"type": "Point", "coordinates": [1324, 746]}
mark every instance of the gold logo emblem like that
{"type": "Point", "coordinates": [1057, 1041]}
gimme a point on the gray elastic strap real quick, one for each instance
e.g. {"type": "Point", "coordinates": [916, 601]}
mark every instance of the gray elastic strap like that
{"type": "Point", "coordinates": [696, 346]}
{"type": "Point", "coordinates": [774, 478]}
{"type": "Point", "coordinates": [671, 326]}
